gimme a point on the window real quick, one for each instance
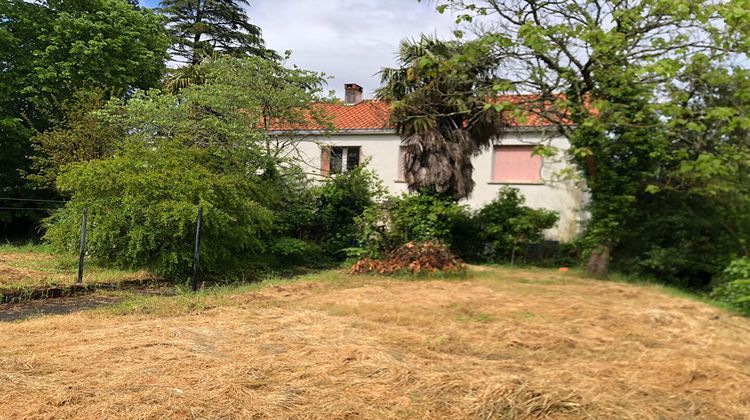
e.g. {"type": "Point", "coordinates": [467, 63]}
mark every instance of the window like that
{"type": "Point", "coordinates": [336, 160]}
{"type": "Point", "coordinates": [516, 164]}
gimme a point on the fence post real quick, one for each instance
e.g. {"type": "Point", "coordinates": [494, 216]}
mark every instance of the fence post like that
{"type": "Point", "coordinates": [197, 253]}
{"type": "Point", "coordinates": [82, 250]}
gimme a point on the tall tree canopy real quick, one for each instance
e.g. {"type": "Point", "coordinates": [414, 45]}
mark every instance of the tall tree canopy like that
{"type": "Point", "coordinates": [438, 99]}
{"type": "Point", "coordinates": [600, 69]}
{"type": "Point", "coordinates": [49, 51]}
{"type": "Point", "coordinates": [694, 217]}
{"type": "Point", "coordinates": [201, 27]}
{"type": "Point", "coordinates": [206, 145]}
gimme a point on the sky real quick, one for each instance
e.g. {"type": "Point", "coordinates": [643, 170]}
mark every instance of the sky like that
{"type": "Point", "coordinates": [350, 40]}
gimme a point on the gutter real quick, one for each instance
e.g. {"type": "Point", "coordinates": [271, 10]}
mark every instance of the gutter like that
{"type": "Point", "coordinates": [387, 131]}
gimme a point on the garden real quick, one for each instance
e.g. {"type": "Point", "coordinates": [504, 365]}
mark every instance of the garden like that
{"type": "Point", "coordinates": [167, 251]}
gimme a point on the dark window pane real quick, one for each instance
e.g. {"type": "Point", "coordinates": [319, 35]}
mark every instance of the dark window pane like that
{"type": "Point", "coordinates": [337, 154]}
{"type": "Point", "coordinates": [352, 158]}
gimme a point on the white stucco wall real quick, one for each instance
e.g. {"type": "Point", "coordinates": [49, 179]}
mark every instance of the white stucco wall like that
{"type": "Point", "coordinates": [555, 192]}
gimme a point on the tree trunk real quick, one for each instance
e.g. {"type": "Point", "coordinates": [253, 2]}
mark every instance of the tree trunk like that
{"type": "Point", "coordinates": [196, 58]}
{"type": "Point", "coordinates": [598, 264]}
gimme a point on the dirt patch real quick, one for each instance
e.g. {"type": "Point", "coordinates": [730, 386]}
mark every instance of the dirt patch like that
{"type": "Point", "coordinates": [485, 348]}
{"type": "Point", "coordinates": [17, 296]}
{"type": "Point", "coordinates": [95, 297]}
{"type": "Point", "coordinates": [60, 306]}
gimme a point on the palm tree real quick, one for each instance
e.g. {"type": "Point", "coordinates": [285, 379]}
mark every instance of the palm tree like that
{"type": "Point", "coordinates": [444, 110]}
{"type": "Point", "coordinates": [182, 77]}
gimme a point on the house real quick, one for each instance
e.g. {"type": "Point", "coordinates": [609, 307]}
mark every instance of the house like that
{"type": "Point", "coordinates": [363, 133]}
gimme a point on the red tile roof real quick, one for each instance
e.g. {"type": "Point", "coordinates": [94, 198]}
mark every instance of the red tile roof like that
{"type": "Point", "coordinates": [365, 115]}
{"type": "Point", "coordinates": [375, 115]}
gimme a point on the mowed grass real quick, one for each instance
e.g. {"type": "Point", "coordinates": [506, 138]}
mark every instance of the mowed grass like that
{"type": "Point", "coordinates": [34, 266]}
{"type": "Point", "coordinates": [500, 343]}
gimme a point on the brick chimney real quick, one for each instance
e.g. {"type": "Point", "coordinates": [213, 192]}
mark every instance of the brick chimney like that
{"type": "Point", "coordinates": [352, 93]}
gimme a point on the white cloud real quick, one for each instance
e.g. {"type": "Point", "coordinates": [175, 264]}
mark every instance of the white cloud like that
{"type": "Point", "coordinates": [350, 40]}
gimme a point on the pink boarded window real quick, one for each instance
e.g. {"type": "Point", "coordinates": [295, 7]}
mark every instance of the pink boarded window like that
{"type": "Point", "coordinates": [516, 164]}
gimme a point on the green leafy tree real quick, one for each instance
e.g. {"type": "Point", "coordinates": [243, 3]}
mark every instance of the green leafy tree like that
{"type": "Point", "coordinates": [66, 46]}
{"type": "Point", "coordinates": [695, 216]}
{"type": "Point", "coordinates": [143, 203]}
{"type": "Point", "coordinates": [84, 134]}
{"type": "Point", "coordinates": [338, 203]}
{"type": "Point", "coordinates": [438, 97]}
{"type": "Point", "coordinates": [51, 50]}
{"type": "Point", "coordinates": [598, 71]}
{"type": "Point", "coordinates": [284, 98]}
{"type": "Point", "coordinates": [204, 146]}
{"type": "Point", "coordinates": [273, 98]}
{"type": "Point", "coordinates": [508, 226]}
{"type": "Point", "coordinates": [200, 28]}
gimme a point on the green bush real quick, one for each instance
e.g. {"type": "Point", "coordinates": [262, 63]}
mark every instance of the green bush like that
{"type": "Point", "coordinates": [681, 239]}
{"type": "Point", "coordinates": [142, 208]}
{"type": "Point", "coordinates": [409, 218]}
{"type": "Point", "coordinates": [338, 203]}
{"type": "Point", "coordinates": [290, 252]}
{"type": "Point", "coordinates": [500, 231]}
{"type": "Point", "coordinates": [507, 227]}
{"type": "Point", "coordinates": [424, 217]}
{"type": "Point", "coordinates": [734, 286]}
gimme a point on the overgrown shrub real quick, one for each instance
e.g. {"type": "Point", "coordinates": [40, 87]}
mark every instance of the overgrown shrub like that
{"type": "Point", "coordinates": [506, 227]}
{"type": "Point", "coordinates": [293, 252]}
{"type": "Point", "coordinates": [734, 286]}
{"type": "Point", "coordinates": [142, 210]}
{"type": "Point", "coordinates": [410, 218]}
{"type": "Point", "coordinates": [424, 217]}
{"type": "Point", "coordinates": [501, 231]}
{"type": "Point", "coordinates": [321, 215]}
{"type": "Point", "coordinates": [426, 257]}
{"type": "Point", "coordinates": [83, 134]}
{"type": "Point", "coordinates": [680, 239]}
{"type": "Point", "coordinates": [293, 201]}
{"type": "Point", "coordinates": [338, 203]}
{"type": "Point", "coordinates": [207, 145]}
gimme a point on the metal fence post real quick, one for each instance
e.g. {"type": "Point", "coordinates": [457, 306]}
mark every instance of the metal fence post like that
{"type": "Point", "coordinates": [82, 251]}
{"type": "Point", "coordinates": [197, 253]}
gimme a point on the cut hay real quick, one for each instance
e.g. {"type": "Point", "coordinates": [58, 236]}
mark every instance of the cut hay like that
{"type": "Point", "coordinates": [505, 344]}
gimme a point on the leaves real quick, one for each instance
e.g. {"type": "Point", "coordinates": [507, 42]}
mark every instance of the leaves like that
{"type": "Point", "coordinates": [204, 146]}
{"type": "Point", "coordinates": [201, 28]}
{"type": "Point", "coordinates": [427, 257]}
{"type": "Point", "coordinates": [643, 94]}
{"type": "Point", "coordinates": [49, 52]}
{"type": "Point", "coordinates": [508, 226]}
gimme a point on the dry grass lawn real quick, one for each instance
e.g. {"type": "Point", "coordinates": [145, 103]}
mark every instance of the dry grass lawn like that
{"type": "Point", "coordinates": [504, 343]}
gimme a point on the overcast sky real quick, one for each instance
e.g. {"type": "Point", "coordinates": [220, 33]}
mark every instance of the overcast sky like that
{"type": "Point", "coordinates": [350, 40]}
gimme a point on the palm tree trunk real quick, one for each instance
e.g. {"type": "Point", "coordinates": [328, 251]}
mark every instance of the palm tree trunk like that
{"type": "Point", "coordinates": [598, 263]}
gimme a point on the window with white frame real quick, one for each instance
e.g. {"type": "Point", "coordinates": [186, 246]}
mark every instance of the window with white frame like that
{"type": "Point", "coordinates": [516, 164]}
{"type": "Point", "coordinates": [339, 159]}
